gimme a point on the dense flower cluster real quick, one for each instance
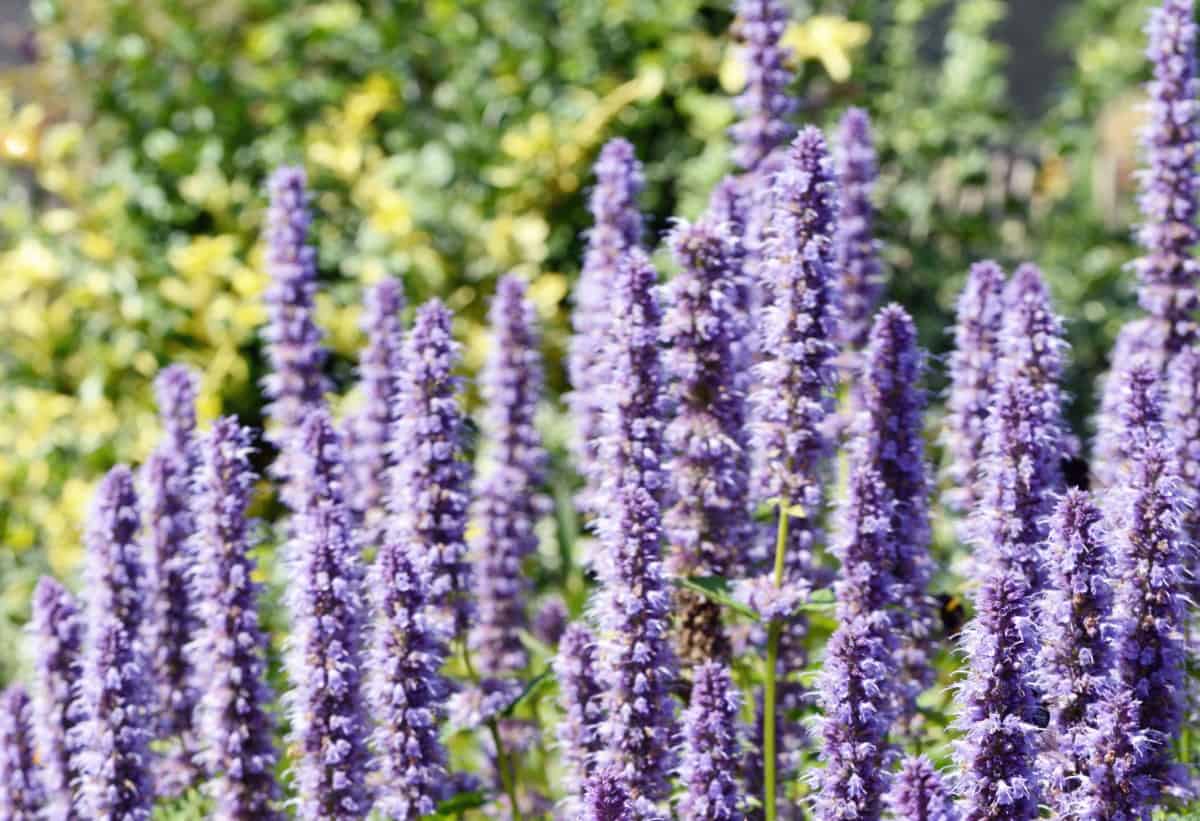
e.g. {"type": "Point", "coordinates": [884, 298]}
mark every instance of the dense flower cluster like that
{"type": "Point", "coordinates": [508, 501]}
{"type": "Point", "coordinates": [919, 793]}
{"type": "Point", "coordinates": [368, 433]}
{"type": "Point", "coordinates": [171, 620]}
{"type": "Point", "coordinates": [329, 725]}
{"type": "Point", "coordinates": [765, 105]}
{"type": "Point", "coordinates": [234, 721]}
{"type": "Point", "coordinates": [22, 795]}
{"type": "Point", "coordinates": [708, 769]}
{"type": "Point", "coordinates": [616, 229]}
{"type": "Point", "coordinates": [579, 694]}
{"type": "Point", "coordinates": [856, 251]}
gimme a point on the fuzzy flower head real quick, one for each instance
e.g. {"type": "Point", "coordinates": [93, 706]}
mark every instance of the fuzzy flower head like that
{"type": "Point", "coordinates": [795, 376]}
{"type": "Point", "coordinates": [856, 251]}
{"type": "Point", "coordinates": [607, 797]}
{"type": "Point", "coordinates": [233, 718]}
{"type": "Point", "coordinates": [431, 479]}
{"type": "Point", "coordinates": [770, 601]}
{"type": "Point", "coordinates": [980, 313]}
{"type": "Point", "coordinates": [296, 383]}
{"type": "Point", "coordinates": [764, 106]}
{"type": "Point", "coordinates": [1115, 786]}
{"type": "Point", "coordinates": [709, 766]}
{"type": "Point", "coordinates": [637, 662]}
{"type": "Point", "coordinates": [175, 394]}
{"type": "Point", "coordinates": [329, 724]}
{"type": "Point", "coordinates": [509, 501]}
{"type": "Point", "coordinates": [379, 369]}
{"type": "Point", "coordinates": [579, 691]}
{"type": "Point", "coordinates": [57, 629]}
{"type": "Point", "coordinates": [476, 705]}
{"type": "Point", "coordinates": [22, 795]}
{"type": "Point", "coordinates": [616, 229]}
{"type": "Point", "coordinates": [919, 794]}
{"type": "Point", "coordinates": [996, 705]}
{"type": "Point", "coordinates": [855, 693]}
{"type": "Point", "coordinates": [1182, 421]}
{"type": "Point", "coordinates": [1148, 552]}
{"type": "Point", "coordinates": [708, 524]}
{"type": "Point", "coordinates": [1170, 189]}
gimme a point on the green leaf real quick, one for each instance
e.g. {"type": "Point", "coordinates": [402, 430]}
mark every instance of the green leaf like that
{"type": "Point", "coordinates": [716, 588]}
{"type": "Point", "coordinates": [536, 685]}
{"type": "Point", "coordinates": [819, 601]}
{"type": "Point", "coordinates": [457, 804]}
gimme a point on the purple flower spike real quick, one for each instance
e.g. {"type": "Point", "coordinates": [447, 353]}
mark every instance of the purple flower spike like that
{"type": "Point", "coordinates": [233, 719]}
{"type": "Point", "coordinates": [607, 798]}
{"type": "Point", "coordinates": [855, 691]}
{"type": "Point", "coordinates": [796, 377]}
{"type": "Point", "coordinates": [764, 105]}
{"type": "Point", "coordinates": [370, 461]}
{"type": "Point", "coordinates": [708, 524]}
{"type": "Point", "coordinates": [1140, 340]}
{"type": "Point", "coordinates": [1075, 656]}
{"type": "Point", "coordinates": [329, 725]}
{"type": "Point", "coordinates": [856, 250]}
{"type": "Point", "coordinates": [426, 513]}
{"type": "Point", "coordinates": [579, 695]}
{"type": "Point", "coordinates": [22, 796]}
{"type": "Point", "coordinates": [431, 479]}
{"type": "Point", "coordinates": [1116, 786]}
{"type": "Point", "coordinates": [1027, 437]}
{"type": "Point", "coordinates": [1149, 607]}
{"type": "Point", "coordinates": [616, 229]}
{"type": "Point", "coordinates": [884, 548]}
{"type": "Point", "coordinates": [709, 768]}
{"type": "Point", "coordinates": [996, 705]}
{"type": "Point", "coordinates": [918, 793]}
{"type": "Point", "coordinates": [727, 212]}
{"type": "Point", "coordinates": [550, 621]}
{"type": "Point", "coordinates": [972, 382]}
{"type": "Point", "coordinates": [638, 666]}
{"type": "Point", "coordinates": [167, 490]}
{"type": "Point", "coordinates": [57, 629]}
{"type": "Point", "coordinates": [296, 383]}
{"type": "Point", "coordinates": [1182, 418]}
{"type": "Point", "coordinates": [1170, 188]}
{"type": "Point", "coordinates": [115, 691]}
{"type": "Point", "coordinates": [509, 500]}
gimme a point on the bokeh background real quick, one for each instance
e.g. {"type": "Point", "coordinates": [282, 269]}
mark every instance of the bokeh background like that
{"type": "Point", "coordinates": [449, 141]}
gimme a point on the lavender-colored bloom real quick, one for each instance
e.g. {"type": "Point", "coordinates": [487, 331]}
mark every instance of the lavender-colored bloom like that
{"type": "Point", "coordinates": [764, 105]}
{"type": "Point", "coordinates": [1170, 188]}
{"type": "Point", "coordinates": [550, 621]}
{"type": "Point", "coordinates": [607, 797]}
{"type": "Point", "coordinates": [1075, 657]}
{"type": "Point", "coordinates": [1182, 420]}
{"type": "Point", "coordinates": [768, 600]}
{"type": "Point", "coordinates": [1140, 340]}
{"type": "Point", "coordinates": [727, 211]}
{"type": "Point", "coordinates": [22, 795]}
{"type": "Point", "coordinates": [855, 691]}
{"type": "Point", "coordinates": [856, 250]}
{"type": "Point", "coordinates": [431, 478]}
{"type": "Point", "coordinates": [980, 314]}
{"type": "Point", "coordinates": [57, 629]}
{"type": "Point", "coordinates": [1148, 596]}
{"type": "Point", "coordinates": [796, 377]}
{"type": "Point", "coordinates": [475, 705]}
{"type": "Point", "coordinates": [708, 523]}
{"type": "Point", "coordinates": [709, 766]}
{"type": "Point", "coordinates": [996, 705]}
{"type": "Point", "coordinates": [884, 545]}
{"type": "Point", "coordinates": [296, 383]}
{"type": "Point", "coordinates": [423, 542]}
{"type": "Point", "coordinates": [171, 623]}
{"type": "Point", "coordinates": [616, 228]}
{"type": "Point", "coordinates": [508, 501]}
{"type": "Point", "coordinates": [1116, 786]}
{"type": "Point", "coordinates": [1027, 437]}
{"type": "Point", "coordinates": [233, 720]}
{"type": "Point", "coordinates": [579, 694]}
{"type": "Point", "coordinates": [369, 459]}
{"type": "Point", "coordinates": [637, 664]}
{"type": "Point", "coordinates": [329, 724]}
{"type": "Point", "coordinates": [919, 794]}
{"type": "Point", "coordinates": [115, 689]}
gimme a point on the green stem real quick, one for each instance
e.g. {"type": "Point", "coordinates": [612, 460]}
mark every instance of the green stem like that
{"type": "Point", "coordinates": [507, 772]}
{"type": "Point", "coordinates": [774, 630]}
